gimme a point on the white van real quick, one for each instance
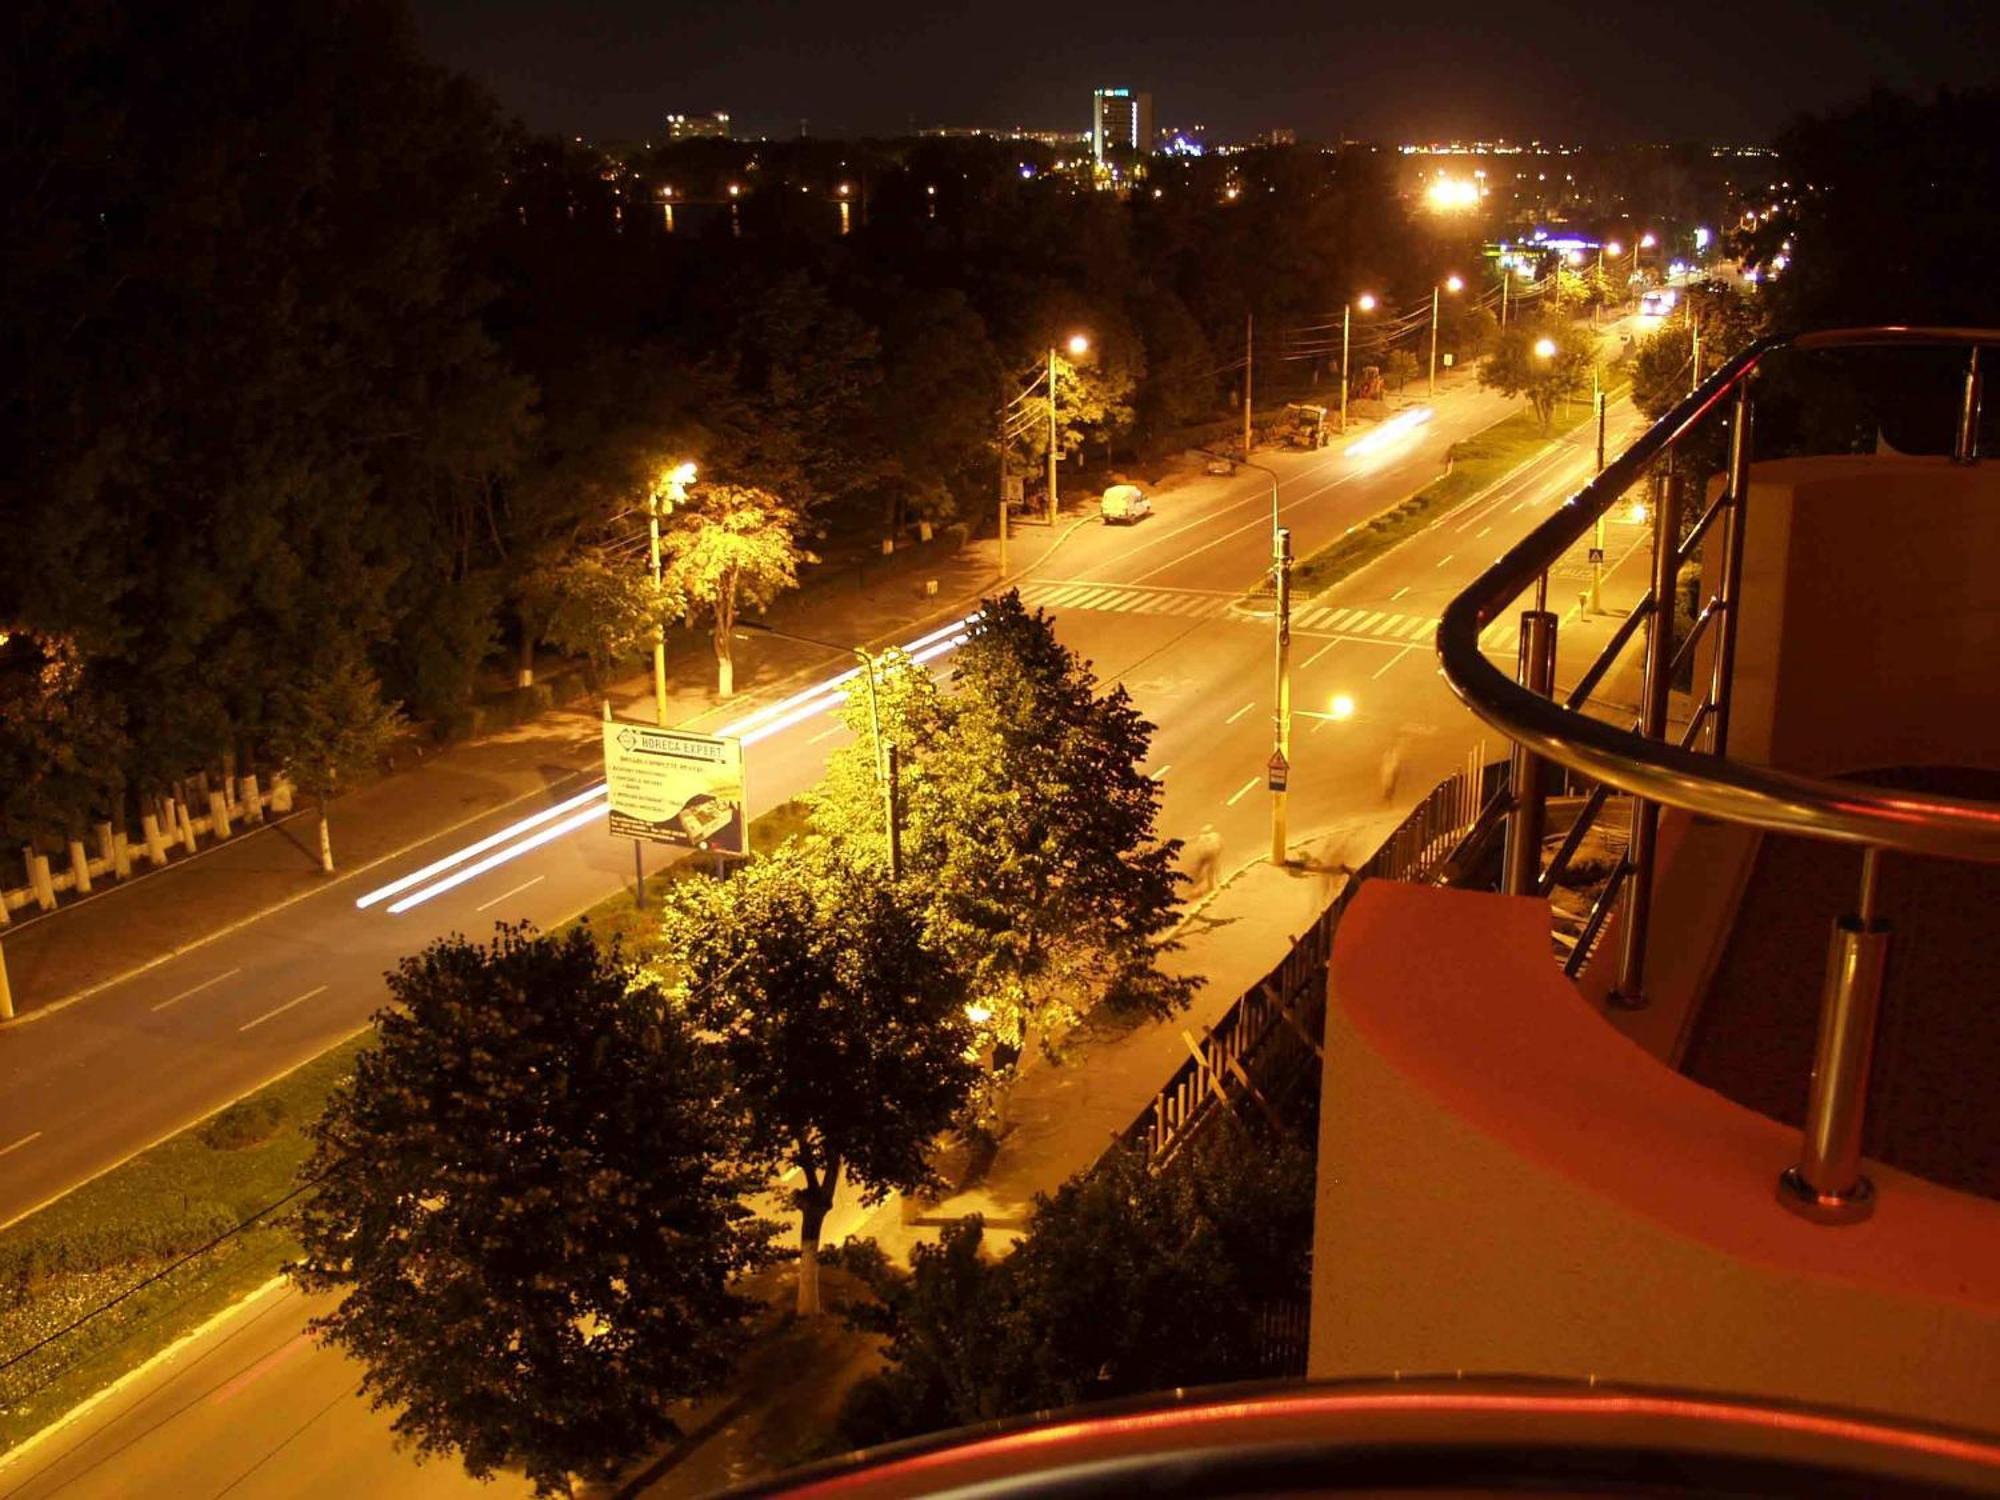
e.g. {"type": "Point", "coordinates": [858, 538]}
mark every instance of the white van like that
{"type": "Point", "coordinates": [1123, 504]}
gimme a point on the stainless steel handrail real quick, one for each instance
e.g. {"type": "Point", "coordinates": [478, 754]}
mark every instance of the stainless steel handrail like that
{"type": "Point", "coordinates": [1733, 790]}
{"type": "Point", "coordinates": [1662, 768]}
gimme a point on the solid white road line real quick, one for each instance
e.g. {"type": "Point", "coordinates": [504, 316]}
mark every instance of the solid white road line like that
{"type": "Point", "coordinates": [198, 988]}
{"type": "Point", "coordinates": [515, 892]}
{"type": "Point", "coordinates": [1239, 713]}
{"type": "Point", "coordinates": [28, 1139]}
{"type": "Point", "coordinates": [280, 1010]}
{"type": "Point", "coordinates": [1242, 790]}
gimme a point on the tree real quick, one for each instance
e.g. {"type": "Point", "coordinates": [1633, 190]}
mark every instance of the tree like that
{"type": "Point", "coordinates": [1029, 827]}
{"type": "Point", "coordinates": [1663, 365]}
{"type": "Point", "coordinates": [1400, 368]}
{"type": "Point", "coordinates": [845, 1035]}
{"type": "Point", "coordinates": [733, 546]}
{"type": "Point", "coordinates": [330, 725]}
{"type": "Point", "coordinates": [1518, 365]}
{"type": "Point", "coordinates": [602, 604]}
{"type": "Point", "coordinates": [527, 1193]}
{"type": "Point", "coordinates": [1127, 1280]}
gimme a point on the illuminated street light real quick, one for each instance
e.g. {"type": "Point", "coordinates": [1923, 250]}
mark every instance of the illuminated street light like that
{"type": "Point", "coordinates": [734, 189]}
{"type": "Point", "coordinates": [1342, 707]}
{"type": "Point", "coordinates": [1366, 302]}
{"type": "Point", "coordinates": [1077, 345]}
{"type": "Point", "coordinates": [1451, 284]}
{"type": "Point", "coordinates": [1545, 348]}
{"type": "Point", "coordinates": [1452, 194]}
{"type": "Point", "coordinates": [670, 487]}
{"type": "Point", "coordinates": [843, 190]}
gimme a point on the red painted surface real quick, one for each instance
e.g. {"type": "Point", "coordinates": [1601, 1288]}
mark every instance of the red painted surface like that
{"type": "Point", "coordinates": [1457, 990]}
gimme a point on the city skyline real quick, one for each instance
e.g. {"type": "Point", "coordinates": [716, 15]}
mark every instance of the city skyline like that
{"type": "Point", "coordinates": [883, 68]}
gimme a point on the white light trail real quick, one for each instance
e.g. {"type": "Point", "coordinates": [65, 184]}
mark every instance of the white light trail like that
{"type": "Point", "coordinates": [460, 856]}
{"type": "Point", "coordinates": [493, 861]}
{"type": "Point", "coordinates": [1403, 422]}
{"type": "Point", "coordinates": [761, 724]}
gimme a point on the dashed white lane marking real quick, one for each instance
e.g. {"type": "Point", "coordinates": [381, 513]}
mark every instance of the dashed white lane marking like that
{"type": "Point", "coordinates": [1399, 593]}
{"type": "Point", "coordinates": [26, 1140]}
{"type": "Point", "coordinates": [826, 734]}
{"type": "Point", "coordinates": [197, 989]}
{"type": "Point", "coordinates": [1392, 661]}
{"type": "Point", "coordinates": [1446, 558]}
{"type": "Point", "coordinates": [1161, 774]}
{"type": "Point", "coordinates": [280, 1010]}
{"type": "Point", "coordinates": [504, 895]}
{"type": "Point", "coordinates": [1242, 790]}
{"type": "Point", "coordinates": [1239, 713]}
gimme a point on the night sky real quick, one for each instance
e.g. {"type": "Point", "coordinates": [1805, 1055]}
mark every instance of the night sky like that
{"type": "Point", "coordinates": [1406, 69]}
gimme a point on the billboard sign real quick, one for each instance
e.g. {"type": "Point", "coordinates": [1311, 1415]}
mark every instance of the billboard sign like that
{"type": "Point", "coordinates": [672, 786]}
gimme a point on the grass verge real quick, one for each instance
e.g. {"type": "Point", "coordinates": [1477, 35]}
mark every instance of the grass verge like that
{"type": "Point", "coordinates": [110, 1235]}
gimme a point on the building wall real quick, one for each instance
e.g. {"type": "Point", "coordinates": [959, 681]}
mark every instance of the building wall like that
{"type": "Point", "coordinates": [1871, 619]}
{"type": "Point", "coordinates": [1508, 1185]}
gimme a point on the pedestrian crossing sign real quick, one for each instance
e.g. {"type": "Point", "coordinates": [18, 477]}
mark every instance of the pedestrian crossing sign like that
{"type": "Point", "coordinates": [1280, 769]}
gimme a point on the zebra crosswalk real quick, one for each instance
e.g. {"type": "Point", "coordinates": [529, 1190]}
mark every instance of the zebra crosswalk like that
{"type": "Point", "coordinates": [1186, 604]}
{"type": "Point", "coordinates": [1210, 604]}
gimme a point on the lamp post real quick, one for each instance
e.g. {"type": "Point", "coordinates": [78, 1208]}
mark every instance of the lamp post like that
{"type": "Point", "coordinates": [1366, 302]}
{"type": "Point", "coordinates": [1281, 718]}
{"type": "Point", "coordinates": [672, 487]}
{"type": "Point", "coordinates": [1078, 345]}
{"type": "Point", "coordinates": [1451, 284]}
{"type": "Point", "coordinates": [885, 756]}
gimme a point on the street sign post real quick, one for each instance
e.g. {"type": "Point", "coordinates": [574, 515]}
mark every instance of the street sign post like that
{"type": "Point", "coordinates": [672, 786]}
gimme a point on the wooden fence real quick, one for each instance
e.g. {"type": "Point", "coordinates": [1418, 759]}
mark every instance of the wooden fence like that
{"type": "Point", "coordinates": [1272, 1033]}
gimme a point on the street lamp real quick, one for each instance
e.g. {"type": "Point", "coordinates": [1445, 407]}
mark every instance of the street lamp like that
{"type": "Point", "coordinates": [1366, 302]}
{"type": "Point", "coordinates": [1078, 346]}
{"type": "Point", "coordinates": [1454, 285]}
{"type": "Point", "coordinates": [670, 486]}
{"type": "Point", "coordinates": [885, 757]}
{"type": "Point", "coordinates": [1545, 348]}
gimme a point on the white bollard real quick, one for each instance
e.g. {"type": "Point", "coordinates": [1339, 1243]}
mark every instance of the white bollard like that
{"type": "Point", "coordinates": [156, 845]}
{"type": "Point", "coordinates": [79, 868]}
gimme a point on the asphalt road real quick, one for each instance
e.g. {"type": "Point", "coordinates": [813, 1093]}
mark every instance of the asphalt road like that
{"type": "Point", "coordinates": [249, 1409]}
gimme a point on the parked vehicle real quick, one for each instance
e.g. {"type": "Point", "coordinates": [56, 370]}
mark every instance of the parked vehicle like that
{"type": "Point", "coordinates": [1305, 426]}
{"type": "Point", "coordinates": [1124, 504]}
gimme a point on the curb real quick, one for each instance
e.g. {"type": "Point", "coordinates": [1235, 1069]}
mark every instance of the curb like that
{"type": "Point", "coordinates": [89, 1403]}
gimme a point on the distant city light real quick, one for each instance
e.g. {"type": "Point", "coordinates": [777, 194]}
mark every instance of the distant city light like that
{"type": "Point", "coordinates": [1702, 238]}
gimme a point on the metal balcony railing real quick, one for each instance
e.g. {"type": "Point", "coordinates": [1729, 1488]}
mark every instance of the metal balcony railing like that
{"type": "Point", "coordinates": [1690, 768]}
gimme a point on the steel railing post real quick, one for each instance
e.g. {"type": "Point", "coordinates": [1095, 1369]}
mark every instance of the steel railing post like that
{"type": "Point", "coordinates": [1735, 521]}
{"type": "Point", "coordinates": [1521, 862]}
{"type": "Point", "coordinates": [1965, 449]}
{"type": "Point", "coordinates": [1630, 991]}
{"type": "Point", "coordinates": [1827, 1185]}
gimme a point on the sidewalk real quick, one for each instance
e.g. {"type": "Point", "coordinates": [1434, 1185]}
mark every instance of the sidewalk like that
{"type": "Point", "coordinates": [85, 946]}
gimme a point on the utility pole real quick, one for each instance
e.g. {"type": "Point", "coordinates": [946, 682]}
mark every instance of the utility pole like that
{"type": "Point", "coordinates": [1281, 569]}
{"type": "Point", "coordinates": [1506, 276]}
{"type": "Point", "coordinates": [1249, 367]}
{"type": "Point", "coordinates": [1597, 538]}
{"type": "Point", "coordinates": [1434, 338]}
{"type": "Point", "coordinates": [1694, 335]}
{"type": "Point", "coordinates": [1052, 434]}
{"type": "Point", "coordinates": [1003, 489]}
{"type": "Point", "coordinates": [671, 486]}
{"type": "Point", "coordinates": [1346, 321]}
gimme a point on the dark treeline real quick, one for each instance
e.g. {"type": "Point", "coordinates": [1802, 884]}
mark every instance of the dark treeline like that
{"type": "Point", "coordinates": [316, 363]}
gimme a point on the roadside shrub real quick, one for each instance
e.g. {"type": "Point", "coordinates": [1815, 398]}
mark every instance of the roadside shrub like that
{"type": "Point", "coordinates": [246, 1123]}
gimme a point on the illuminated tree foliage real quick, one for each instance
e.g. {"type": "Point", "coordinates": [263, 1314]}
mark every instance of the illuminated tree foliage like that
{"type": "Point", "coordinates": [1516, 367]}
{"type": "Point", "coordinates": [732, 546]}
{"type": "Point", "coordinates": [529, 1203]}
{"type": "Point", "coordinates": [845, 1038]}
{"type": "Point", "coordinates": [1028, 827]}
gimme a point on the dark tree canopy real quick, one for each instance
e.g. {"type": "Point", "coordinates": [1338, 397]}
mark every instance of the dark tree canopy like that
{"type": "Point", "coordinates": [529, 1200]}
